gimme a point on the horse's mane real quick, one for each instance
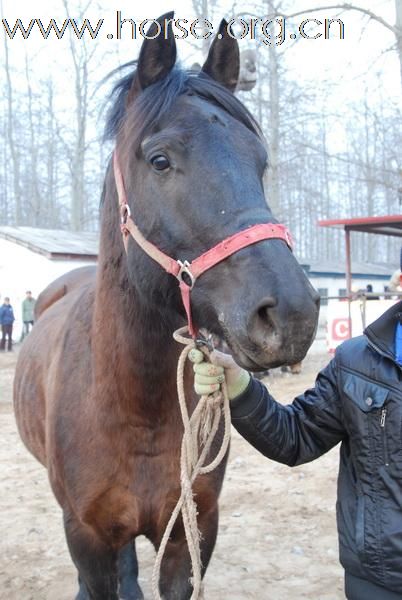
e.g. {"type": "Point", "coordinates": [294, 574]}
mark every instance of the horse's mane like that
{"type": "Point", "coordinates": [156, 100]}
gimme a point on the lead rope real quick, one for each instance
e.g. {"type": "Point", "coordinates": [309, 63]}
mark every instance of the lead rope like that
{"type": "Point", "coordinates": [199, 432]}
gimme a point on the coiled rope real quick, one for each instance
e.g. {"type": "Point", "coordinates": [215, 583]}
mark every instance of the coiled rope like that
{"type": "Point", "coordinates": [199, 432]}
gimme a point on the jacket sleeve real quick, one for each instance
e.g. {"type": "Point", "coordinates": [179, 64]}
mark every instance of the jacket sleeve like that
{"type": "Point", "coordinates": [296, 433]}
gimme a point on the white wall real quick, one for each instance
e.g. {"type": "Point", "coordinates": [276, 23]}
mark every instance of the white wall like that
{"type": "Point", "coordinates": [334, 284]}
{"type": "Point", "coordinates": [22, 270]}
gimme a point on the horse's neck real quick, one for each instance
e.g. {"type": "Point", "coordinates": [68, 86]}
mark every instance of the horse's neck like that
{"type": "Point", "coordinates": [132, 339]}
{"type": "Point", "coordinates": [132, 328]}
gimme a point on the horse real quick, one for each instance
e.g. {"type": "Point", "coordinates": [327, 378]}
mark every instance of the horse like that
{"type": "Point", "coordinates": [62, 286]}
{"type": "Point", "coordinates": [95, 385]}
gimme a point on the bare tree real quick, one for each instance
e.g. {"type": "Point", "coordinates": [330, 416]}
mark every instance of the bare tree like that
{"type": "Point", "coordinates": [14, 150]}
{"type": "Point", "coordinates": [204, 10]}
{"type": "Point", "coordinates": [51, 159]}
{"type": "Point", "coordinates": [34, 196]}
{"type": "Point", "coordinates": [396, 28]}
{"type": "Point", "coordinates": [81, 56]}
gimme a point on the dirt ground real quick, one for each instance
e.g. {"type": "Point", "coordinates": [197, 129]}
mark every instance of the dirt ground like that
{"type": "Point", "coordinates": [277, 535]}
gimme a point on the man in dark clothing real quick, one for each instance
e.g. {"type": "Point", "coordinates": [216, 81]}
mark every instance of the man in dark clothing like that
{"type": "Point", "coordinates": [357, 400]}
{"type": "Point", "coordinates": [6, 322]}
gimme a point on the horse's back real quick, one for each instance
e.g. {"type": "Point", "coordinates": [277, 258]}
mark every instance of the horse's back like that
{"type": "Point", "coordinates": [39, 360]}
{"type": "Point", "coordinates": [62, 286]}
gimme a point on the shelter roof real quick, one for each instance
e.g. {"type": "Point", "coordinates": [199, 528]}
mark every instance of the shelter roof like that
{"type": "Point", "coordinates": [53, 243]}
{"type": "Point", "coordinates": [386, 225]}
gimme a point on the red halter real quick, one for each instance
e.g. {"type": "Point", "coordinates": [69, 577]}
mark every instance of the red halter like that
{"type": "Point", "coordinates": [198, 266]}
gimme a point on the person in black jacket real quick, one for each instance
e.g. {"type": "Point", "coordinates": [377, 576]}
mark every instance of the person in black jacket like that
{"type": "Point", "coordinates": [357, 400]}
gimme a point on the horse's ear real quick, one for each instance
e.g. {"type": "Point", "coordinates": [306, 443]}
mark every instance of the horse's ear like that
{"type": "Point", "coordinates": [157, 55]}
{"type": "Point", "coordinates": [223, 61]}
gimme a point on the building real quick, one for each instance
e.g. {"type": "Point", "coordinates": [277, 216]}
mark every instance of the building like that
{"type": "Point", "coordinates": [31, 258]}
{"type": "Point", "coordinates": [329, 278]}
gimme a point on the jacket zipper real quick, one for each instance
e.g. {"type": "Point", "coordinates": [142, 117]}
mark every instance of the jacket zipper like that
{"type": "Point", "coordinates": [382, 353]}
{"type": "Point", "coordinates": [384, 437]}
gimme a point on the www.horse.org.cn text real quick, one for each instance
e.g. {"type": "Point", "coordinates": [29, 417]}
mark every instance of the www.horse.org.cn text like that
{"type": "Point", "coordinates": [272, 31]}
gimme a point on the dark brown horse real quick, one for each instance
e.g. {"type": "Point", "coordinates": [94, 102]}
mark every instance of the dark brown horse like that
{"type": "Point", "coordinates": [95, 386]}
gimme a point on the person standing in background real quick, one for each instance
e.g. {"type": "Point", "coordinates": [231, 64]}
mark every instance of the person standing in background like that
{"type": "Point", "coordinates": [6, 321]}
{"type": "Point", "coordinates": [28, 307]}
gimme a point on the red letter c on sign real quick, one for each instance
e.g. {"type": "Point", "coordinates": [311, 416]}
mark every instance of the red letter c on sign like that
{"type": "Point", "coordinates": [340, 329]}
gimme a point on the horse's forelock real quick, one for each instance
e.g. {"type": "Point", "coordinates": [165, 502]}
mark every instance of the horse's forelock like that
{"type": "Point", "coordinates": [205, 87]}
{"type": "Point", "coordinates": [135, 121]}
{"type": "Point", "coordinates": [117, 99]}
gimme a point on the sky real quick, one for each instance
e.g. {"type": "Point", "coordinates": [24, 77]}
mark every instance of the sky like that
{"type": "Point", "coordinates": [345, 60]}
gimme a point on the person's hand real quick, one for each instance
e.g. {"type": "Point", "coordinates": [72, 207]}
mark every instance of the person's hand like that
{"type": "Point", "coordinates": [209, 377]}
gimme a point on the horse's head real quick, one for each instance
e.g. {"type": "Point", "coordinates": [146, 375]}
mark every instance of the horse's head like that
{"type": "Point", "coordinates": [193, 161]}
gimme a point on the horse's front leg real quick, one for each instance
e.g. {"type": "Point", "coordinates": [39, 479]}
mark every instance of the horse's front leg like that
{"type": "Point", "coordinates": [96, 562]}
{"type": "Point", "coordinates": [174, 582]}
{"type": "Point", "coordinates": [129, 588]}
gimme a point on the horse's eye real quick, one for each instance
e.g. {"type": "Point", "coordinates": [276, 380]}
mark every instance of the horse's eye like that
{"type": "Point", "coordinates": [160, 162]}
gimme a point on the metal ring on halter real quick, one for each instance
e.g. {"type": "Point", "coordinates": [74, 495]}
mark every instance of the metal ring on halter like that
{"type": "Point", "coordinates": [201, 340]}
{"type": "Point", "coordinates": [185, 268]}
{"type": "Point", "coordinates": [125, 212]}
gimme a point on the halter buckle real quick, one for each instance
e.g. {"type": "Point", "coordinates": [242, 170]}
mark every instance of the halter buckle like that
{"type": "Point", "coordinates": [185, 268]}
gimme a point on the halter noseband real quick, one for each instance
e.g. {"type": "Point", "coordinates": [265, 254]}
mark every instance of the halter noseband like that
{"type": "Point", "coordinates": [183, 270]}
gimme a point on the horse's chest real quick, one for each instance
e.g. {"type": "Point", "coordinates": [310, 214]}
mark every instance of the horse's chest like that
{"type": "Point", "coordinates": [142, 492]}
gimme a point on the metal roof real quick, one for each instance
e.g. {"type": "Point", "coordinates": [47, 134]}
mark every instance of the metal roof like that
{"type": "Point", "coordinates": [388, 225]}
{"type": "Point", "coordinates": [333, 268]}
{"type": "Point", "coordinates": [54, 243]}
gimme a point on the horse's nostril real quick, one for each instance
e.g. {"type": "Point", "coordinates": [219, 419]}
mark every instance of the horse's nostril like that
{"type": "Point", "coordinates": [264, 307]}
{"type": "Point", "coordinates": [317, 299]}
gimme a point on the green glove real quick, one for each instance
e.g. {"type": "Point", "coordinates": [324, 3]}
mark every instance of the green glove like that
{"type": "Point", "coordinates": [208, 377]}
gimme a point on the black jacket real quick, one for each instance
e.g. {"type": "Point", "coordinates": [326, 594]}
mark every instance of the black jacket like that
{"type": "Point", "coordinates": [357, 400]}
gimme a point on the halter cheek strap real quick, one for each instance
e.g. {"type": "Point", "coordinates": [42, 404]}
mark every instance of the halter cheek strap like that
{"type": "Point", "coordinates": [186, 272]}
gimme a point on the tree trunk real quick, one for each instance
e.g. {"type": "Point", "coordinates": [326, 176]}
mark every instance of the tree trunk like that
{"type": "Point", "coordinates": [398, 27]}
{"type": "Point", "coordinates": [15, 156]}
